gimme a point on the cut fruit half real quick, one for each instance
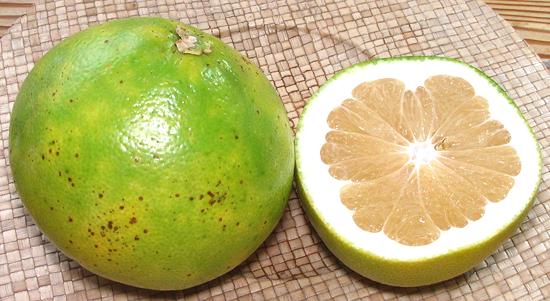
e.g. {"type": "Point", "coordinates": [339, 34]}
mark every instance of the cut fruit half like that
{"type": "Point", "coordinates": [414, 169]}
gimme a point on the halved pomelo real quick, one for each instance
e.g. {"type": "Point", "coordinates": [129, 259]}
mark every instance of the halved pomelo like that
{"type": "Point", "coordinates": [413, 170]}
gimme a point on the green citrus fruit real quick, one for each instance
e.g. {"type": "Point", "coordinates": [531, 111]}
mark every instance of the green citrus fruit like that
{"type": "Point", "coordinates": [413, 170]}
{"type": "Point", "coordinates": [150, 152]}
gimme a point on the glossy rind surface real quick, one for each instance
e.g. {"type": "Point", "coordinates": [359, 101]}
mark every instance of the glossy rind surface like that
{"type": "Point", "coordinates": [151, 167]}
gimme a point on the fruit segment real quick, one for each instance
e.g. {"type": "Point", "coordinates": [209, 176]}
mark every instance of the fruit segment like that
{"type": "Point", "coordinates": [383, 96]}
{"type": "Point", "coordinates": [355, 116]}
{"type": "Point", "coordinates": [418, 162]}
{"type": "Point", "coordinates": [346, 152]}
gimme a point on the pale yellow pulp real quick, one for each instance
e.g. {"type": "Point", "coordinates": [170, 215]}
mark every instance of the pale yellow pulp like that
{"type": "Point", "coordinates": [419, 162]}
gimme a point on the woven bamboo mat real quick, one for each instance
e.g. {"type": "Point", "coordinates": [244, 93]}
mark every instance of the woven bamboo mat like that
{"type": "Point", "coordinates": [298, 45]}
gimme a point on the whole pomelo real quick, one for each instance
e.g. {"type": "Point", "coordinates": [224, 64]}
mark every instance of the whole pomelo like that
{"type": "Point", "coordinates": [151, 153]}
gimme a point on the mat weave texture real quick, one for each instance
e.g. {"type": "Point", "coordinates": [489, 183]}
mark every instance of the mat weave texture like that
{"type": "Point", "coordinates": [298, 45]}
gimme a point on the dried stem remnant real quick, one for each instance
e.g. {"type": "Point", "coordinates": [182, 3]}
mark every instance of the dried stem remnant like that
{"type": "Point", "coordinates": [191, 44]}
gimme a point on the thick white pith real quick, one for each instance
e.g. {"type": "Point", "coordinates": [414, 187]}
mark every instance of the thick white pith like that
{"type": "Point", "coordinates": [323, 190]}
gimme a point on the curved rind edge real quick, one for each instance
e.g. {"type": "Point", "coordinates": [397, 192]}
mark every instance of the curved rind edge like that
{"type": "Point", "coordinates": [407, 273]}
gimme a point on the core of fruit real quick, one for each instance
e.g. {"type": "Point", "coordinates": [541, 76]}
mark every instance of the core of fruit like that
{"type": "Point", "coordinates": [413, 170]}
{"type": "Point", "coordinates": [151, 153]}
